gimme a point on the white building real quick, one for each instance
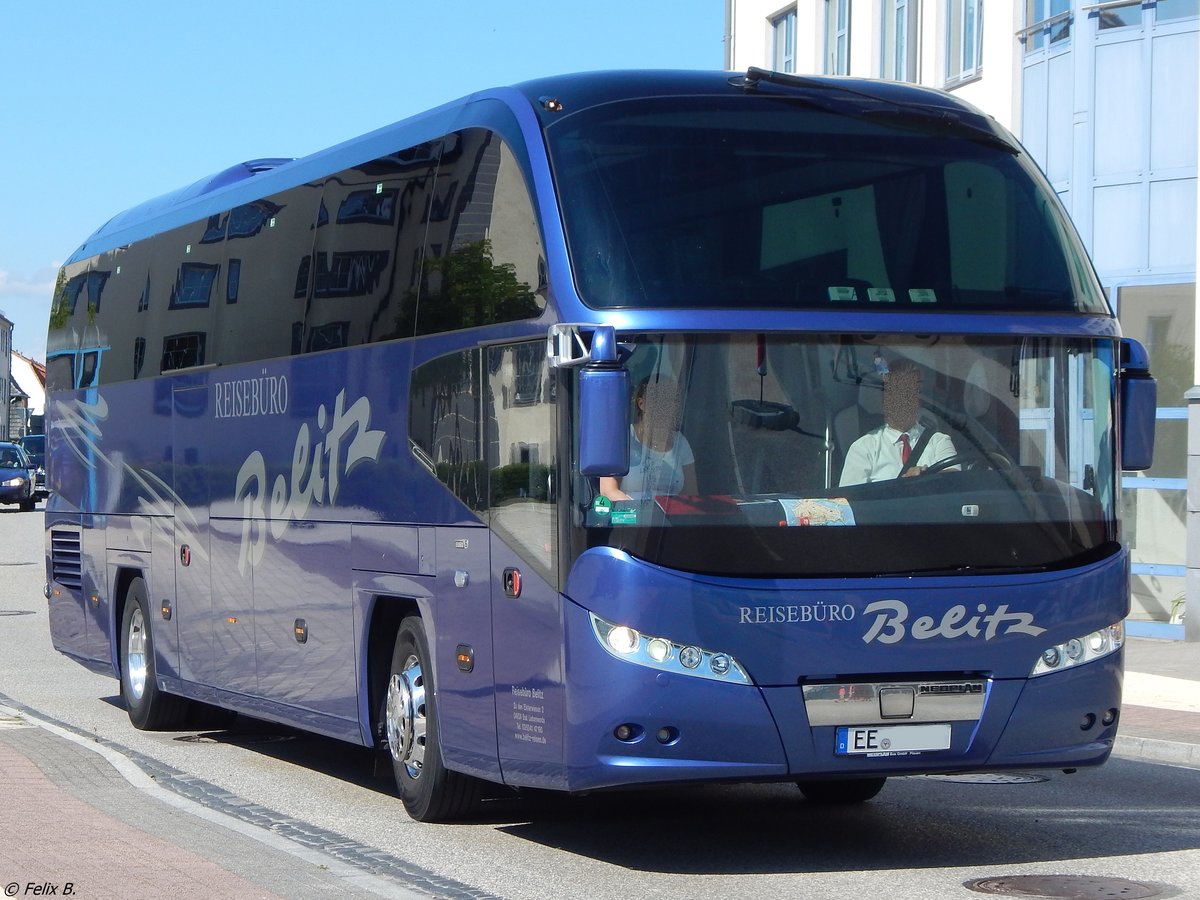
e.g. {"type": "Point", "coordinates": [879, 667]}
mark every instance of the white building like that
{"type": "Point", "coordinates": [6, 391]}
{"type": "Point", "coordinates": [1104, 96]}
{"type": "Point", "coordinates": [29, 377]}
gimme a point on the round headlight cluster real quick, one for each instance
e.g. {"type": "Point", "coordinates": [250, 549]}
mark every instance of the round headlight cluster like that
{"type": "Point", "coordinates": [1077, 651]}
{"type": "Point", "coordinates": [661, 653]}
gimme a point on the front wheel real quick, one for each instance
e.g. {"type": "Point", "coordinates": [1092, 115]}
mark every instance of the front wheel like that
{"type": "Point", "coordinates": [430, 791]}
{"type": "Point", "coordinates": [149, 708]}
{"type": "Point", "coordinates": [842, 791]}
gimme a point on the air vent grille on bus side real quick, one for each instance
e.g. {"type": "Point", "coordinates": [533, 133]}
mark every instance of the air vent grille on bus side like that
{"type": "Point", "coordinates": [66, 558]}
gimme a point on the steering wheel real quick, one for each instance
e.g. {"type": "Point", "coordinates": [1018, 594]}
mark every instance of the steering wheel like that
{"type": "Point", "coordinates": [991, 459]}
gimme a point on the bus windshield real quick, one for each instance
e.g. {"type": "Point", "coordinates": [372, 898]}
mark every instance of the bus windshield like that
{"type": "Point", "coordinates": [784, 455]}
{"type": "Point", "coordinates": [771, 202]}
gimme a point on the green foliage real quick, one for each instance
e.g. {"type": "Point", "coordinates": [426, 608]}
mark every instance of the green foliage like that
{"type": "Point", "coordinates": [465, 289]}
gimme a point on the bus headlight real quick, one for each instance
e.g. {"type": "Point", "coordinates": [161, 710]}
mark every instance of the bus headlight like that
{"type": "Point", "coordinates": [666, 655]}
{"type": "Point", "coordinates": [1080, 650]}
{"type": "Point", "coordinates": [14, 482]}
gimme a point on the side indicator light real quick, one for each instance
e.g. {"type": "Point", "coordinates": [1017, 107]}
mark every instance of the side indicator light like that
{"type": "Point", "coordinates": [464, 655]}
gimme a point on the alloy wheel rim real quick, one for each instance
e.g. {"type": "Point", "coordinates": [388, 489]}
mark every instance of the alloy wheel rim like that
{"type": "Point", "coordinates": [135, 656]}
{"type": "Point", "coordinates": [406, 717]}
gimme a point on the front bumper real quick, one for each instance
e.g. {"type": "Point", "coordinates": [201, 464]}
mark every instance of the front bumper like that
{"type": "Point", "coordinates": [684, 729]}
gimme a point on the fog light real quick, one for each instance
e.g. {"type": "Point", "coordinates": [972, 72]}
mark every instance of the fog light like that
{"type": "Point", "coordinates": [1087, 722]}
{"type": "Point", "coordinates": [667, 735]}
{"type": "Point", "coordinates": [627, 733]}
{"type": "Point", "coordinates": [1110, 716]}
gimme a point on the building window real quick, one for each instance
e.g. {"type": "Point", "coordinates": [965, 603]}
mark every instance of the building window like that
{"type": "Point", "coordinates": [837, 37]}
{"type": "Point", "coordinates": [964, 40]}
{"type": "Point", "coordinates": [139, 355]}
{"type": "Point", "coordinates": [1165, 10]}
{"type": "Point", "coordinates": [900, 30]}
{"type": "Point", "coordinates": [783, 42]}
{"type": "Point", "coordinates": [1131, 14]}
{"type": "Point", "coordinates": [182, 351]}
{"type": "Point", "coordinates": [1047, 23]}
{"type": "Point", "coordinates": [193, 285]}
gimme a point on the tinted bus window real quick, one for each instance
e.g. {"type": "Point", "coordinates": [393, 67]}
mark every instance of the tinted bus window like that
{"type": "Point", "coordinates": [483, 261]}
{"type": "Point", "coordinates": [716, 202]}
{"type": "Point", "coordinates": [360, 283]}
{"type": "Point", "coordinates": [262, 244]}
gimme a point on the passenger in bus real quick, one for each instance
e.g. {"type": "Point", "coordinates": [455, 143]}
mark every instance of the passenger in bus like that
{"type": "Point", "coordinates": [902, 446]}
{"type": "Point", "coordinates": [660, 459]}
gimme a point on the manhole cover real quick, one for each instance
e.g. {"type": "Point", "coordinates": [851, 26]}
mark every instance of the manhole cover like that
{"type": "Point", "coordinates": [990, 778]}
{"type": "Point", "coordinates": [16, 612]}
{"type": "Point", "coordinates": [1068, 887]}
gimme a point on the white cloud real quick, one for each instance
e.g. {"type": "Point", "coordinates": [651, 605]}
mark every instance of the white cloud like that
{"type": "Point", "coordinates": [22, 285]}
{"type": "Point", "coordinates": [25, 301]}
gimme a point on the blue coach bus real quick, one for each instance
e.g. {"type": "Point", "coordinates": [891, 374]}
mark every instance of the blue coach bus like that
{"type": "Point", "coordinates": [550, 439]}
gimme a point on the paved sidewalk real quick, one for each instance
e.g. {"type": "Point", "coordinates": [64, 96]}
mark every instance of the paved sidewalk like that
{"type": "Point", "coordinates": [1160, 713]}
{"type": "Point", "coordinates": [78, 818]}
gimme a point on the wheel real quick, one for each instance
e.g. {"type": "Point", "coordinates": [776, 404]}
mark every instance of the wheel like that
{"type": "Point", "coordinates": [844, 791]}
{"type": "Point", "coordinates": [430, 791]}
{"type": "Point", "coordinates": [149, 708]}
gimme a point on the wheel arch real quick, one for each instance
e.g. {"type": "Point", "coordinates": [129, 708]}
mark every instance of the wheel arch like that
{"type": "Point", "coordinates": [123, 577]}
{"type": "Point", "coordinates": [386, 613]}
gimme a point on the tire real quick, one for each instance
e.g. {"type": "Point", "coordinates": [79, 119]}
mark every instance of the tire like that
{"type": "Point", "coordinates": [149, 708]}
{"type": "Point", "coordinates": [430, 791]}
{"type": "Point", "coordinates": [841, 792]}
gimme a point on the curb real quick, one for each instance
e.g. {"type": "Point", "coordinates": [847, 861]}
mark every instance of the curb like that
{"type": "Point", "coordinates": [1174, 753]}
{"type": "Point", "coordinates": [366, 868]}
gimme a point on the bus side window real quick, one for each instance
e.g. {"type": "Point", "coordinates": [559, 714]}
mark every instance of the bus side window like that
{"type": "Point", "coordinates": [483, 256]}
{"type": "Point", "coordinates": [444, 415]}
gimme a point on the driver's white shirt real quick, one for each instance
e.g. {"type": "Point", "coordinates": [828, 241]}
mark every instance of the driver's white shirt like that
{"type": "Point", "coordinates": [876, 455]}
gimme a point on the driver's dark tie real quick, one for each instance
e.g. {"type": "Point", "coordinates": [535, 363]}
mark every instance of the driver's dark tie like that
{"type": "Point", "coordinates": [905, 449]}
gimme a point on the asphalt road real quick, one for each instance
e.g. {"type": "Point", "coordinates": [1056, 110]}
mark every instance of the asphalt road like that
{"type": "Point", "coordinates": [922, 837]}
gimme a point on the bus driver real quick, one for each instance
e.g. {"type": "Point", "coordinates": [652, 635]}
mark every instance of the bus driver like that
{"type": "Point", "coordinates": [901, 446]}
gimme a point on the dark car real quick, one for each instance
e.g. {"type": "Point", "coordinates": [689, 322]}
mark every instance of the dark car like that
{"type": "Point", "coordinates": [17, 475]}
{"type": "Point", "coordinates": [34, 446]}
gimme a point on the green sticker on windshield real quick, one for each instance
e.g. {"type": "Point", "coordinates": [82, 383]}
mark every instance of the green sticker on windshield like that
{"type": "Point", "coordinates": [602, 506]}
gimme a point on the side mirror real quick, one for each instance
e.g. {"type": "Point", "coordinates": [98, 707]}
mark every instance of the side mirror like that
{"type": "Point", "coordinates": [604, 409]}
{"type": "Point", "coordinates": [1138, 400]}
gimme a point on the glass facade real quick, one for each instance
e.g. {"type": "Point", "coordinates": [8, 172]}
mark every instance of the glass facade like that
{"type": "Point", "coordinates": [1154, 502]}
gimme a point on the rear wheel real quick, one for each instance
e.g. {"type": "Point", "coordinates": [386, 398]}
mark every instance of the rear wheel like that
{"type": "Point", "coordinates": [149, 708]}
{"type": "Point", "coordinates": [430, 791]}
{"type": "Point", "coordinates": [844, 791]}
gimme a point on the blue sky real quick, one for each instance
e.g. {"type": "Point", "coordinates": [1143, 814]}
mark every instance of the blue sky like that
{"type": "Point", "coordinates": [104, 105]}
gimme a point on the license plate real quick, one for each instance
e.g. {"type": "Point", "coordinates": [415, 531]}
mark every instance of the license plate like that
{"type": "Point", "coordinates": [887, 739]}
